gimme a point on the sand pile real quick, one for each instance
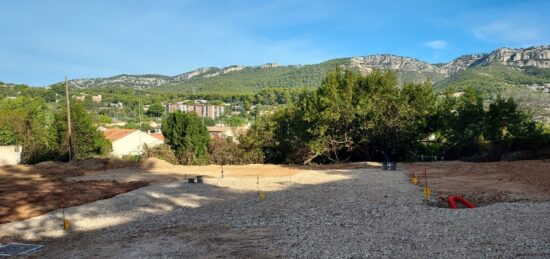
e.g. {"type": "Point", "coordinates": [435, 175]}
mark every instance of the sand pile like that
{"type": "Point", "coordinates": [155, 163]}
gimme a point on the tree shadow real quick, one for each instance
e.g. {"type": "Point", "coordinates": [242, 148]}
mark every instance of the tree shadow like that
{"type": "Point", "coordinates": [166, 213]}
{"type": "Point", "coordinates": [348, 213]}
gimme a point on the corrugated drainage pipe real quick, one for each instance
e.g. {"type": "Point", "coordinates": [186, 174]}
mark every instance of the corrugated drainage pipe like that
{"type": "Point", "coordinates": [453, 199]}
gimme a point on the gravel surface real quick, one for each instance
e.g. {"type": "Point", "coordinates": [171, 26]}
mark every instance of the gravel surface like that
{"type": "Point", "coordinates": [313, 214]}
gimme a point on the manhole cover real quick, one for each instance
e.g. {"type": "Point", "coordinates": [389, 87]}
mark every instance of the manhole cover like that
{"type": "Point", "coordinates": [17, 249]}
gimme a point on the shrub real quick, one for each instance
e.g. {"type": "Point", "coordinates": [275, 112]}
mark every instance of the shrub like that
{"type": "Point", "coordinates": [161, 152]}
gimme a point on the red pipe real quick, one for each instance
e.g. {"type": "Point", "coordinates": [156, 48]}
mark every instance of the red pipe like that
{"type": "Point", "coordinates": [453, 199]}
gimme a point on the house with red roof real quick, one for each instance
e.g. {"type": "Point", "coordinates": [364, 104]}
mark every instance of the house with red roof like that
{"type": "Point", "coordinates": [131, 141]}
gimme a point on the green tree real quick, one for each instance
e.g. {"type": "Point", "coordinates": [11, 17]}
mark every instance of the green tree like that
{"type": "Point", "coordinates": [461, 122]}
{"type": "Point", "coordinates": [349, 116]}
{"type": "Point", "coordinates": [7, 136]}
{"type": "Point", "coordinates": [187, 136]}
{"type": "Point", "coordinates": [506, 126]}
{"type": "Point", "coordinates": [26, 121]}
{"type": "Point", "coordinates": [86, 139]}
{"type": "Point", "coordinates": [155, 110]}
{"type": "Point", "coordinates": [246, 105]}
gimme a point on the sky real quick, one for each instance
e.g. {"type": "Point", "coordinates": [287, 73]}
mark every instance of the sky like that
{"type": "Point", "coordinates": [42, 41]}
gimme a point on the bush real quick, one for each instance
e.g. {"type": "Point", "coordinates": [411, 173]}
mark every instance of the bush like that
{"type": "Point", "coordinates": [161, 152]}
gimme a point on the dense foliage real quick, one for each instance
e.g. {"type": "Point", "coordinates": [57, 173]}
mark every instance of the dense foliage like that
{"type": "Point", "coordinates": [354, 117]}
{"type": "Point", "coordinates": [86, 140]}
{"type": "Point", "coordinates": [26, 122]}
{"type": "Point", "coordinates": [41, 130]}
{"type": "Point", "coordinates": [163, 152]}
{"type": "Point", "coordinates": [226, 151]}
{"type": "Point", "coordinates": [345, 116]}
{"type": "Point", "coordinates": [156, 110]}
{"type": "Point", "coordinates": [187, 136]}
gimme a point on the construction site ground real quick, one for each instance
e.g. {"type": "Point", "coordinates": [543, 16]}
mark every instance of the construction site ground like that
{"type": "Point", "coordinates": [351, 210]}
{"type": "Point", "coordinates": [485, 183]}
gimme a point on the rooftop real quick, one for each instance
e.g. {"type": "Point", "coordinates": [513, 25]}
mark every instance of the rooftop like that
{"type": "Point", "coordinates": [116, 133]}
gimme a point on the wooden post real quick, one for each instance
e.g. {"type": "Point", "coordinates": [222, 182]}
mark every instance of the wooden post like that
{"type": "Point", "coordinates": [69, 133]}
{"type": "Point", "coordinates": [425, 178]}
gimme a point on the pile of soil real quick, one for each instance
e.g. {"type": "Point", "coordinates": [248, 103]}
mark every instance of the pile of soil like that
{"type": "Point", "coordinates": [50, 165]}
{"type": "Point", "coordinates": [118, 163]}
{"type": "Point", "coordinates": [91, 164]}
{"type": "Point", "coordinates": [155, 163]}
{"type": "Point", "coordinates": [47, 165]}
{"type": "Point", "coordinates": [99, 164]}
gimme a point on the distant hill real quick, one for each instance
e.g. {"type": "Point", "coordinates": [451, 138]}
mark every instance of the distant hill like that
{"type": "Point", "coordinates": [501, 68]}
{"type": "Point", "coordinates": [495, 77]}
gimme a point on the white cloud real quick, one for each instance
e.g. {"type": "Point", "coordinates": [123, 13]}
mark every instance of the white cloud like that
{"type": "Point", "coordinates": [437, 44]}
{"type": "Point", "coordinates": [510, 33]}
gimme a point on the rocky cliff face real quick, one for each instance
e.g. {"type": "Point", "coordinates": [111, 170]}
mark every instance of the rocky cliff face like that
{"type": "Point", "coordinates": [460, 63]}
{"type": "Point", "coordinates": [534, 56]}
{"type": "Point", "coordinates": [367, 63]}
{"type": "Point", "coordinates": [139, 81]}
{"type": "Point", "coordinates": [195, 73]}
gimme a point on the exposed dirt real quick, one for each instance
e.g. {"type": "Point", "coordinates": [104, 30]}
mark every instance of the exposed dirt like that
{"type": "Point", "coordinates": [486, 183]}
{"type": "Point", "coordinates": [96, 164]}
{"type": "Point", "coordinates": [306, 213]}
{"type": "Point", "coordinates": [155, 163]}
{"type": "Point", "coordinates": [29, 191]}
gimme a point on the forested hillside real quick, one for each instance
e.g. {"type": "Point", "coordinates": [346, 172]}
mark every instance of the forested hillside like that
{"type": "Point", "coordinates": [495, 78]}
{"type": "Point", "coordinates": [499, 69]}
{"type": "Point", "coordinates": [522, 73]}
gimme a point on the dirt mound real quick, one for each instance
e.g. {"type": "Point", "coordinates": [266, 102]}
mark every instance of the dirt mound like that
{"type": "Point", "coordinates": [91, 164]}
{"type": "Point", "coordinates": [155, 163]}
{"type": "Point", "coordinates": [56, 166]}
{"type": "Point", "coordinates": [118, 163]}
{"type": "Point", "coordinates": [87, 164]}
{"type": "Point", "coordinates": [47, 165]}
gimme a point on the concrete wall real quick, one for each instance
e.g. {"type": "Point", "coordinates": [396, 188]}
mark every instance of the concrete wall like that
{"type": "Point", "coordinates": [132, 144]}
{"type": "Point", "coordinates": [10, 155]}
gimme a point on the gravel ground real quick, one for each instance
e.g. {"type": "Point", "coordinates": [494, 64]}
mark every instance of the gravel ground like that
{"type": "Point", "coordinates": [313, 214]}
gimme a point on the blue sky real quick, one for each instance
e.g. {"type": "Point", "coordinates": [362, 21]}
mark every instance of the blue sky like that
{"type": "Point", "coordinates": [42, 41]}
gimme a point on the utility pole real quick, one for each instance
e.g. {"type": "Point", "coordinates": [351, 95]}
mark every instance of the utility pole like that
{"type": "Point", "coordinates": [69, 119]}
{"type": "Point", "coordinates": [139, 111]}
{"type": "Point", "coordinates": [139, 114]}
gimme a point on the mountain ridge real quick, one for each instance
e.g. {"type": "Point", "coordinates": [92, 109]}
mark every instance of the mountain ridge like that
{"type": "Point", "coordinates": [408, 68]}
